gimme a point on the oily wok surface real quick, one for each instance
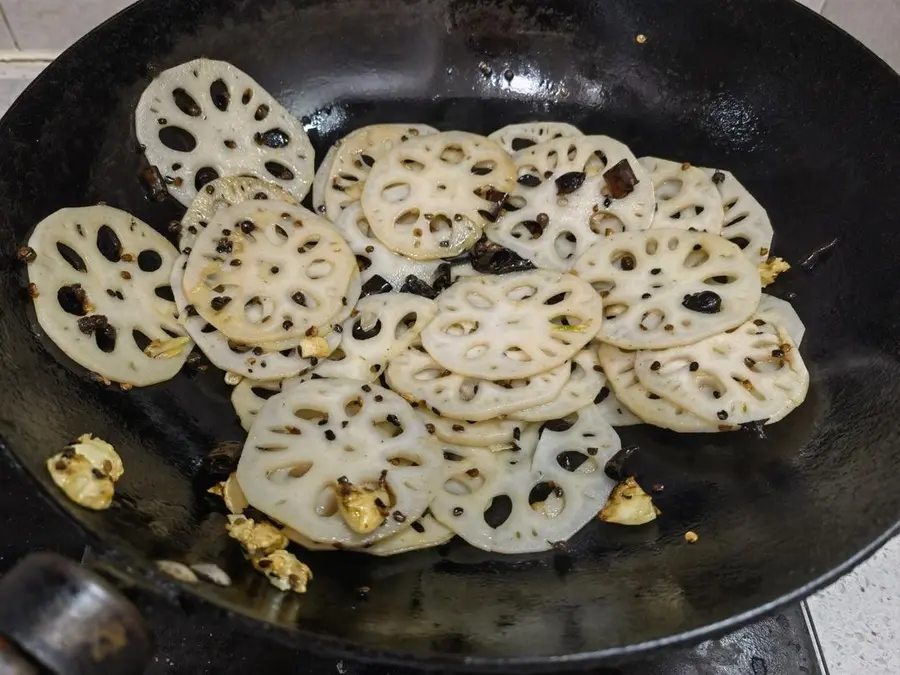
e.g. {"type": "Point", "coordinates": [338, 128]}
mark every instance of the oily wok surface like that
{"type": "Point", "coordinates": [804, 116]}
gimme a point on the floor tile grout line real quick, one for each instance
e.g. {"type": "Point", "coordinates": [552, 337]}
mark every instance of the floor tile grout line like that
{"type": "Point", "coordinates": [814, 636]}
{"type": "Point", "coordinates": [28, 56]}
{"type": "Point", "coordinates": [8, 26]}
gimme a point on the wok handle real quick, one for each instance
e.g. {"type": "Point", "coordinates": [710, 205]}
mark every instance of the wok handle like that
{"type": "Point", "coordinates": [60, 618]}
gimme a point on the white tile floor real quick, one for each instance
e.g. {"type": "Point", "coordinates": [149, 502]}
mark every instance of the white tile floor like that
{"type": "Point", "coordinates": [858, 618]}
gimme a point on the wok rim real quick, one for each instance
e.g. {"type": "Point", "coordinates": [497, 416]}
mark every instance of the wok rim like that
{"type": "Point", "coordinates": [140, 569]}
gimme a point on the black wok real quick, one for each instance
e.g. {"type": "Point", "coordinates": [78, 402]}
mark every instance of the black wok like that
{"type": "Point", "coordinates": [805, 116]}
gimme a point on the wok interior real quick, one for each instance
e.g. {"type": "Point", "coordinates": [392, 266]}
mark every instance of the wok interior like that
{"type": "Point", "coordinates": [805, 118]}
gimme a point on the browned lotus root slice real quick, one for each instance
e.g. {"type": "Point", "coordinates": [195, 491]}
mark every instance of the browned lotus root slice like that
{"type": "Point", "coordinates": [651, 408]}
{"type": "Point", "coordinates": [100, 283]}
{"type": "Point", "coordinates": [584, 387]}
{"type": "Point", "coordinates": [205, 119]}
{"type": "Point", "coordinates": [561, 203]}
{"type": "Point", "coordinates": [746, 222]}
{"type": "Point", "coordinates": [308, 443]}
{"type": "Point", "coordinates": [513, 325]}
{"type": "Point", "coordinates": [497, 433]}
{"type": "Point", "coordinates": [353, 159]}
{"type": "Point", "coordinates": [430, 196]}
{"type": "Point", "coordinates": [550, 493]}
{"type": "Point", "coordinates": [426, 532]}
{"type": "Point", "coordinates": [752, 373]}
{"type": "Point", "coordinates": [686, 197]}
{"type": "Point", "coordinates": [267, 272]}
{"type": "Point", "coordinates": [251, 361]}
{"type": "Point", "coordinates": [374, 257]}
{"type": "Point", "coordinates": [381, 327]}
{"type": "Point", "coordinates": [420, 378]}
{"type": "Point", "coordinates": [522, 135]}
{"type": "Point", "coordinates": [220, 194]}
{"type": "Point", "coordinates": [665, 288]}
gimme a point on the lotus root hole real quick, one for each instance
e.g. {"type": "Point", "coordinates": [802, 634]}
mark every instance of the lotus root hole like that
{"type": "Point", "coordinates": [389, 427]}
{"type": "Point", "coordinates": [696, 258]}
{"type": "Point", "coordinates": [565, 245]}
{"type": "Point", "coordinates": [284, 474]}
{"type": "Point", "coordinates": [108, 244]}
{"type": "Point", "coordinates": [612, 312]}
{"type": "Point", "coordinates": [517, 354]}
{"type": "Point", "coordinates": [669, 189]}
{"type": "Point", "coordinates": [70, 256]}
{"type": "Point", "coordinates": [308, 244]}
{"type": "Point", "coordinates": [353, 407]}
{"type": "Point", "coordinates": [186, 103]}
{"type": "Point", "coordinates": [405, 325]}
{"type": "Point", "coordinates": [220, 95]}
{"type": "Point", "coordinates": [319, 269]}
{"type": "Point", "coordinates": [452, 154]}
{"type": "Point", "coordinates": [577, 462]}
{"type": "Point", "coordinates": [440, 224]}
{"type": "Point", "coordinates": [149, 261]}
{"type": "Point", "coordinates": [652, 319]}
{"type": "Point", "coordinates": [477, 351]}
{"type": "Point", "coordinates": [412, 165]}
{"type": "Point", "coordinates": [326, 502]}
{"type": "Point", "coordinates": [483, 167]}
{"type": "Point", "coordinates": [498, 512]}
{"type": "Point", "coordinates": [164, 292]}
{"type": "Point", "coordinates": [460, 328]}
{"type": "Point", "coordinates": [547, 499]}
{"type": "Point", "coordinates": [408, 218]}
{"type": "Point", "coordinates": [258, 310]}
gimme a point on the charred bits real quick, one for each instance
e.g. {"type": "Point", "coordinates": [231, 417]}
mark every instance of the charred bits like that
{"type": "Point", "coordinates": [442, 279]}
{"type": "Point", "coordinates": [617, 467]}
{"type": "Point", "coordinates": [814, 258]}
{"type": "Point", "coordinates": [705, 302]}
{"type": "Point", "coordinates": [26, 255]}
{"type": "Point", "coordinates": [569, 182]}
{"type": "Point", "coordinates": [620, 179]}
{"type": "Point", "coordinates": [89, 324]}
{"type": "Point", "coordinates": [412, 284]}
{"type": "Point", "coordinates": [153, 183]}
{"type": "Point", "coordinates": [489, 257]}
{"type": "Point", "coordinates": [375, 286]}
{"type": "Point", "coordinates": [222, 460]}
{"type": "Point", "coordinates": [756, 428]}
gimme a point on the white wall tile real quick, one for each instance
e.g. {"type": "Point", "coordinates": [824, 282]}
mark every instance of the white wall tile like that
{"type": "Point", "coordinates": [14, 77]}
{"type": "Point", "coordinates": [858, 618]}
{"type": "Point", "coordinates": [56, 24]}
{"type": "Point", "coordinates": [815, 5]}
{"type": "Point", "coordinates": [875, 23]}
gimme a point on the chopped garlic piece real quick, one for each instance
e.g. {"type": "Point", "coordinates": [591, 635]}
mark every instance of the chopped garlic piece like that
{"type": "Point", "coordinates": [284, 571]}
{"type": "Point", "coordinates": [256, 538]}
{"type": "Point", "coordinates": [167, 349]}
{"type": "Point", "coordinates": [364, 509]}
{"type": "Point", "coordinates": [81, 481]}
{"type": "Point", "coordinates": [101, 455]}
{"type": "Point", "coordinates": [235, 501]}
{"type": "Point", "coordinates": [211, 573]}
{"type": "Point", "coordinates": [628, 504]}
{"type": "Point", "coordinates": [770, 269]}
{"type": "Point", "coordinates": [314, 346]}
{"type": "Point", "coordinates": [177, 570]}
{"type": "Point", "coordinates": [233, 379]}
